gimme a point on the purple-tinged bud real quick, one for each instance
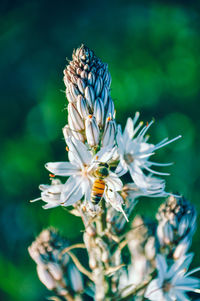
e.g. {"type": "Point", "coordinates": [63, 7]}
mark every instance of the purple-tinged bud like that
{"type": "Point", "coordinates": [90, 96]}
{"type": "Point", "coordinates": [109, 134]}
{"type": "Point", "coordinates": [99, 111]}
{"type": "Point", "coordinates": [92, 131]}
{"type": "Point", "coordinates": [82, 107]}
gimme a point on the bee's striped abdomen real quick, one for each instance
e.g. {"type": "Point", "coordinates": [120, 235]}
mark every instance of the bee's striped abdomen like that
{"type": "Point", "coordinates": [97, 191]}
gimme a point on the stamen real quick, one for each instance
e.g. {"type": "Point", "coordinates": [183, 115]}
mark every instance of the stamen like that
{"type": "Point", "coordinates": [167, 142]}
{"type": "Point", "coordinates": [52, 175]}
{"type": "Point", "coordinates": [90, 116]}
{"type": "Point", "coordinates": [67, 148]}
{"type": "Point", "coordinates": [35, 200]}
{"type": "Point", "coordinates": [156, 172]}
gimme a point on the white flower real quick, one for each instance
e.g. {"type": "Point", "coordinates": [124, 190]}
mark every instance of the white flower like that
{"type": "Point", "coordinates": [51, 194]}
{"type": "Point", "coordinates": [135, 152]}
{"type": "Point", "coordinates": [149, 186]}
{"type": "Point", "coordinates": [81, 171]}
{"type": "Point", "coordinates": [172, 283]}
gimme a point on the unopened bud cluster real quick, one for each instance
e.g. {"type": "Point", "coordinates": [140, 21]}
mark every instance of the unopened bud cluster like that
{"type": "Point", "coordinates": [55, 270]}
{"type": "Point", "coordinates": [177, 223]}
{"type": "Point", "coordinates": [90, 108]}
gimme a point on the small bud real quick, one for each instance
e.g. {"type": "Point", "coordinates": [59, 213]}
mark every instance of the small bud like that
{"type": "Point", "coordinates": [84, 75]}
{"type": "Point", "coordinates": [92, 131]}
{"type": "Point", "coordinates": [74, 118]}
{"type": "Point", "coordinates": [109, 134]}
{"type": "Point", "coordinates": [90, 96]}
{"type": "Point", "coordinates": [74, 90]}
{"type": "Point", "coordinates": [81, 85]}
{"type": "Point", "coordinates": [45, 277]}
{"type": "Point", "coordinates": [182, 247]}
{"type": "Point", "coordinates": [104, 96]}
{"type": "Point", "coordinates": [67, 132]}
{"type": "Point", "coordinates": [55, 270]}
{"type": "Point", "coordinates": [98, 86]}
{"type": "Point", "coordinates": [82, 107]}
{"type": "Point", "coordinates": [91, 78]}
{"type": "Point", "coordinates": [99, 111]}
{"type": "Point", "coordinates": [110, 108]}
{"type": "Point", "coordinates": [70, 97]}
{"type": "Point", "coordinates": [75, 279]}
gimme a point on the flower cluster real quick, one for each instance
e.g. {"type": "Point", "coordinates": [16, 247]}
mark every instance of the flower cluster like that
{"type": "Point", "coordinates": [93, 138]}
{"type": "Point", "coordinates": [95, 187]}
{"type": "Point", "coordinates": [54, 267]}
{"type": "Point", "coordinates": [176, 226]}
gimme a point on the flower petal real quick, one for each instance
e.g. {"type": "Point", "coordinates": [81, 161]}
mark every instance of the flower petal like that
{"type": "Point", "coordinates": [62, 168]}
{"type": "Point", "coordinates": [114, 182]}
{"type": "Point", "coordinates": [72, 191]}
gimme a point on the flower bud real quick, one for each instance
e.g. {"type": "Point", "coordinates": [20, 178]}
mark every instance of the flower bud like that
{"type": "Point", "coordinates": [75, 279]}
{"type": "Point", "coordinates": [98, 85]}
{"type": "Point", "coordinates": [109, 134]}
{"type": "Point", "coordinates": [74, 118]}
{"type": "Point", "coordinates": [182, 247]}
{"type": "Point", "coordinates": [110, 108]}
{"type": "Point", "coordinates": [91, 78]}
{"type": "Point", "coordinates": [74, 91]}
{"type": "Point", "coordinates": [70, 97]}
{"type": "Point", "coordinates": [92, 131]}
{"type": "Point", "coordinates": [104, 95]}
{"type": "Point", "coordinates": [45, 277]}
{"type": "Point", "coordinates": [82, 107]}
{"type": "Point", "coordinates": [90, 96]}
{"type": "Point", "coordinates": [99, 111]}
{"type": "Point", "coordinates": [81, 85]}
{"type": "Point", "coordinates": [67, 132]}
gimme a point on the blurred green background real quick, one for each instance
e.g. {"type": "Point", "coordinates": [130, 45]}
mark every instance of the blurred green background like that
{"type": "Point", "coordinates": [152, 49]}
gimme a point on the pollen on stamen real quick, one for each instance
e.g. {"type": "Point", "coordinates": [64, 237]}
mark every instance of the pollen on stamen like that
{"type": "Point", "coordinates": [109, 118]}
{"type": "Point", "coordinates": [67, 148]}
{"type": "Point", "coordinates": [52, 175]}
{"type": "Point", "coordinates": [90, 116]}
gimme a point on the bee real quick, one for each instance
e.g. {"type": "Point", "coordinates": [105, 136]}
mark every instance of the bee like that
{"type": "Point", "coordinates": [99, 184]}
